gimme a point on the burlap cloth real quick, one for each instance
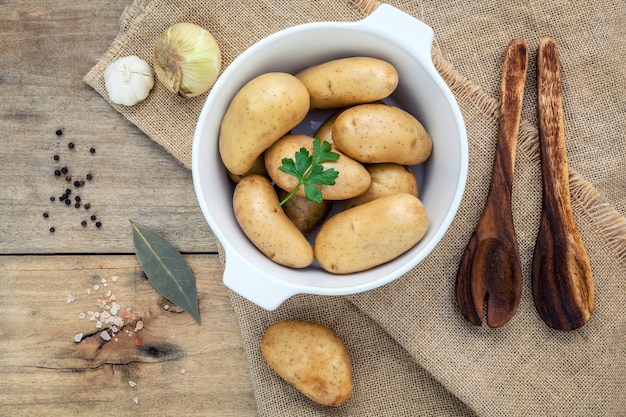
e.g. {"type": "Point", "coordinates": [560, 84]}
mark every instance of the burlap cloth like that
{"type": "Point", "coordinates": [412, 352]}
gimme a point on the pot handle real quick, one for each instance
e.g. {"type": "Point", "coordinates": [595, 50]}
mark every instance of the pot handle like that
{"type": "Point", "coordinates": [402, 28]}
{"type": "Point", "coordinates": [265, 292]}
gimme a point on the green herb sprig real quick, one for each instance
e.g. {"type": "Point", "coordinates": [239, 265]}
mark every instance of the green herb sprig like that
{"type": "Point", "coordinates": [310, 171]}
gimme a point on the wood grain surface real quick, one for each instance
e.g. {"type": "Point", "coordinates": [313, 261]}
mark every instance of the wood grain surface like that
{"type": "Point", "coordinates": [180, 368]}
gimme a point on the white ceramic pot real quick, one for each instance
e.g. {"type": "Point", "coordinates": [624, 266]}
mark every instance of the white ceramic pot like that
{"type": "Point", "coordinates": [389, 34]}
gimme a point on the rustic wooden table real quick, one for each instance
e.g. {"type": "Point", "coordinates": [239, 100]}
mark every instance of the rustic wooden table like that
{"type": "Point", "coordinates": [49, 280]}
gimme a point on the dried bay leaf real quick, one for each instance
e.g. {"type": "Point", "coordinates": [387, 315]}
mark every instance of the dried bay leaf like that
{"type": "Point", "coordinates": [166, 269]}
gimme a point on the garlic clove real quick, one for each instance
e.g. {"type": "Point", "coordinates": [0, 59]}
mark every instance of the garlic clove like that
{"type": "Point", "coordinates": [128, 80]}
{"type": "Point", "coordinates": [187, 59]}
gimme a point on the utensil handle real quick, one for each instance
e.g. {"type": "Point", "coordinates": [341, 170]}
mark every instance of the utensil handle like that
{"type": "Point", "coordinates": [241, 277]}
{"type": "Point", "coordinates": [405, 30]}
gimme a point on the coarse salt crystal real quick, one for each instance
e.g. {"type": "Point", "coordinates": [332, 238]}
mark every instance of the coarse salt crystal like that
{"type": "Point", "coordinates": [78, 337]}
{"type": "Point", "coordinates": [105, 335]}
{"type": "Point", "coordinates": [103, 280]}
{"type": "Point", "coordinates": [133, 384]}
{"type": "Point", "coordinates": [139, 325]}
{"type": "Point", "coordinates": [70, 298]}
{"type": "Point", "coordinates": [136, 400]}
{"type": "Point", "coordinates": [96, 287]}
{"type": "Point", "coordinates": [81, 316]}
{"type": "Point", "coordinates": [88, 291]}
{"type": "Point", "coordinates": [118, 321]}
{"type": "Point", "coordinates": [99, 324]}
{"type": "Point", "coordinates": [183, 370]}
{"type": "Point", "coordinates": [108, 293]}
{"type": "Point", "coordinates": [166, 307]}
{"type": "Point", "coordinates": [114, 278]}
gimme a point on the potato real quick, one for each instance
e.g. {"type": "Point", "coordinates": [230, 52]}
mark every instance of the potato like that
{"type": "Point", "coordinates": [386, 179]}
{"type": "Point", "coordinates": [305, 214]}
{"type": "Point", "coordinates": [258, 167]}
{"type": "Point", "coordinates": [348, 81]}
{"type": "Point", "coordinates": [266, 108]}
{"type": "Point", "coordinates": [325, 131]}
{"type": "Point", "coordinates": [311, 358]}
{"type": "Point", "coordinates": [378, 133]}
{"type": "Point", "coordinates": [353, 178]}
{"type": "Point", "coordinates": [256, 209]}
{"type": "Point", "coordinates": [371, 234]}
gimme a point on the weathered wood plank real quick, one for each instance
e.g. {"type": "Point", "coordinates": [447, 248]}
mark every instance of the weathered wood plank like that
{"type": "Point", "coordinates": [47, 47]}
{"type": "Point", "coordinates": [181, 368]}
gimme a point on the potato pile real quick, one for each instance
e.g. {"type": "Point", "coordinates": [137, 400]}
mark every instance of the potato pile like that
{"type": "Point", "coordinates": [377, 143]}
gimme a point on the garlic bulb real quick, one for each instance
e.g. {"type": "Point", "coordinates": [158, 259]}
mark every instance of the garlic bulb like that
{"type": "Point", "coordinates": [187, 59]}
{"type": "Point", "coordinates": [128, 80]}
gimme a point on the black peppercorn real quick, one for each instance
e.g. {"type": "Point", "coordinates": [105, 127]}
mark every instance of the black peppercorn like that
{"type": "Point", "coordinates": [87, 206]}
{"type": "Point", "coordinates": [70, 145]}
{"type": "Point", "coordinates": [77, 205]}
{"type": "Point", "coordinates": [77, 198]}
{"type": "Point", "coordinates": [57, 172]}
{"type": "Point", "coordinates": [93, 217]}
{"type": "Point", "coordinates": [63, 197]}
{"type": "Point", "coordinates": [52, 230]}
{"type": "Point", "coordinates": [68, 178]}
{"type": "Point", "coordinates": [89, 176]}
{"type": "Point", "coordinates": [52, 198]}
{"type": "Point", "coordinates": [45, 214]}
{"type": "Point", "coordinates": [68, 191]}
{"type": "Point", "coordinates": [68, 202]}
{"type": "Point", "coordinates": [56, 157]}
{"type": "Point", "coordinates": [64, 170]}
{"type": "Point", "coordinates": [76, 183]}
{"type": "Point", "coordinates": [92, 150]}
{"type": "Point", "coordinates": [98, 224]}
{"type": "Point", "coordinates": [83, 223]}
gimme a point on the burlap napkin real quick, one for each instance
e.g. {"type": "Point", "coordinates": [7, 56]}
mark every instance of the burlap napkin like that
{"type": "Point", "coordinates": [412, 352]}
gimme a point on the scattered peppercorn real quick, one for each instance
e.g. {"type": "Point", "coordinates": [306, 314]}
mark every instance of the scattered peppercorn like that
{"type": "Point", "coordinates": [45, 214]}
{"type": "Point", "coordinates": [68, 191]}
{"type": "Point", "coordinates": [93, 217]}
{"type": "Point", "coordinates": [77, 183]}
{"type": "Point", "coordinates": [92, 150]}
{"type": "Point", "coordinates": [64, 170]}
{"type": "Point", "coordinates": [63, 197]}
{"type": "Point", "coordinates": [82, 183]}
{"type": "Point", "coordinates": [89, 176]}
{"type": "Point", "coordinates": [68, 178]}
{"type": "Point", "coordinates": [68, 202]}
{"type": "Point", "coordinates": [56, 157]}
{"type": "Point", "coordinates": [77, 205]}
{"type": "Point", "coordinates": [52, 230]}
{"type": "Point", "coordinates": [52, 198]}
{"type": "Point", "coordinates": [59, 132]}
{"type": "Point", "coordinates": [70, 145]}
{"type": "Point", "coordinates": [83, 223]}
{"type": "Point", "coordinates": [98, 224]}
{"type": "Point", "coordinates": [77, 198]}
{"type": "Point", "coordinates": [57, 172]}
{"type": "Point", "coordinates": [87, 206]}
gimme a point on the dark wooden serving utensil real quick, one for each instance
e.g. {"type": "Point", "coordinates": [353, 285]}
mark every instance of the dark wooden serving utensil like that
{"type": "Point", "coordinates": [490, 267]}
{"type": "Point", "coordinates": [562, 282]}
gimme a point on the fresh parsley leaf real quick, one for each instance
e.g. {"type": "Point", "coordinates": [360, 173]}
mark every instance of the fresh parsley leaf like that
{"type": "Point", "coordinates": [309, 171]}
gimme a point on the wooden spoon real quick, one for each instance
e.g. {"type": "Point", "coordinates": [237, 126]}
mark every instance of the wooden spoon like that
{"type": "Point", "coordinates": [562, 283]}
{"type": "Point", "coordinates": [490, 267]}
